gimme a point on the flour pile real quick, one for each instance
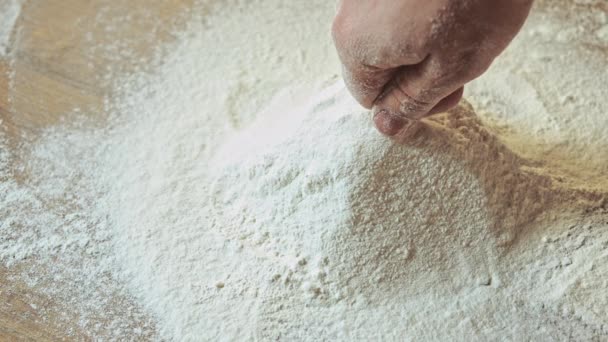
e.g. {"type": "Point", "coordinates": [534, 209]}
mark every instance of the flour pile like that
{"type": "Point", "coordinates": [355, 238]}
{"type": "Point", "coordinates": [233, 204]}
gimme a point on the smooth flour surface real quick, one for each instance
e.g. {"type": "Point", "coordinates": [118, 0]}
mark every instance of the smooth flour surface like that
{"type": "Point", "coordinates": [238, 192]}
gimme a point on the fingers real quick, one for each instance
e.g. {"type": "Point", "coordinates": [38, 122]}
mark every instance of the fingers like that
{"type": "Point", "coordinates": [369, 54]}
{"type": "Point", "coordinates": [417, 91]}
{"type": "Point", "coordinates": [390, 124]}
{"type": "Point", "coordinates": [365, 83]}
{"type": "Point", "coordinates": [448, 102]}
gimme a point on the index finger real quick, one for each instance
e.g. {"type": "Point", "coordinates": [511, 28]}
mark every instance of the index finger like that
{"type": "Point", "coordinates": [365, 82]}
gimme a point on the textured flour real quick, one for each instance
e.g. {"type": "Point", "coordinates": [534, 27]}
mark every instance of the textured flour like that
{"type": "Point", "coordinates": [234, 204]}
{"type": "Point", "coordinates": [9, 12]}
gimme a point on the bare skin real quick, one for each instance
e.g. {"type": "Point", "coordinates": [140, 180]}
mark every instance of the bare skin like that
{"type": "Point", "coordinates": [407, 59]}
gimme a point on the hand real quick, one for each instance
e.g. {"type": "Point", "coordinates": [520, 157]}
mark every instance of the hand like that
{"type": "Point", "coordinates": [411, 58]}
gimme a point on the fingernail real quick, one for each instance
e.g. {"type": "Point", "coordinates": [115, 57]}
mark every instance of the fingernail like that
{"type": "Point", "coordinates": [389, 124]}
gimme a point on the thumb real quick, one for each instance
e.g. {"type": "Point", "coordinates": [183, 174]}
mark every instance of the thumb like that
{"type": "Point", "coordinates": [415, 92]}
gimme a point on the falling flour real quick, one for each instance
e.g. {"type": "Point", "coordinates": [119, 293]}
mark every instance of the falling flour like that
{"type": "Point", "coordinates": [233, 204]}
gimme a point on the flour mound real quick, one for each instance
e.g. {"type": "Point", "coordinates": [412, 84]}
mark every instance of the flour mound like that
{"type": "Point", "coordinates": [308, 224]}
{"type": "Point", "coordinates": [350, 213]}
{"type": "Point", "coordinates": [358, 234]}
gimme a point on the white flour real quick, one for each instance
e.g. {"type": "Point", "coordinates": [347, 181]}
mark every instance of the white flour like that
{"type": "Point", "coordinates": [553, 93]}
{"type": "Point", "coordinates": [232, 212]}
{"type": "Point", "coordinates": [9, 12]}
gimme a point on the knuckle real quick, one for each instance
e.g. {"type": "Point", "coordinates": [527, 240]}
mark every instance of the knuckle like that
{"type": "Point", "coordinates": [413, 106]}
{"type": "Point", "coordinates": [365, 88]}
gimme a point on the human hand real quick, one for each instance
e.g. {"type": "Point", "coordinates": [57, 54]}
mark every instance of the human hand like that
{"type": "Point", "coordinates": [411, 58]}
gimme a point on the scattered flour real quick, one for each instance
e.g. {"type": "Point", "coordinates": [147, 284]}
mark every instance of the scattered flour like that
{"type": "Point", "coordinates": [552, 93]}
{"type": "Point", "coordinates": [9, 12]}
{"type": "Point", "coordinates": [48, 232]}
{"type": "Point", "coordinates": [234, 203]}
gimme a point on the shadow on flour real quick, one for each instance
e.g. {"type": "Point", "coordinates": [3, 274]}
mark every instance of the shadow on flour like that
{"type": "Point", "coordinates": [451, 222]}
{"type": "Point", "coordinates": [516, 191]}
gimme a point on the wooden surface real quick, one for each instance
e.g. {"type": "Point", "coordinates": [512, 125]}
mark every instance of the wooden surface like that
{"type": "Point", "coordinates": [58, 60]}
